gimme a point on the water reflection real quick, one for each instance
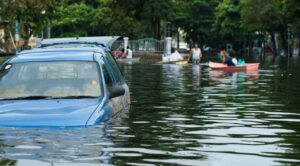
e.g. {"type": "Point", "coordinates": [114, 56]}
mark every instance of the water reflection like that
{"type": "Point", "coordinates": [61, 146]}
{"type": "Point", "coordinates": [234, 79]}
{"type": "Point", "coordinates": [56, 145]}
{"type": "Point", "coordinates": [196, 77]}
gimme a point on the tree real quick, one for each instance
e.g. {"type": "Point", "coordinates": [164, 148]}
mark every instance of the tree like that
{"type": "Point", "coordinates": [266, 18]}
{"type": "Point", "coordinates": [293, 11]}
{"type": "Point", "coordinates": [148, 12]}
{"type": "Point", "coordinates": [272, 16]}
{"type": "Point", "coordinates": [227, 20]}
{"type": "Point", "coordinates": [195, 18]}
{"type": "Point", "coordinates": [71, 19]}
{"type": "Point", "coordinates": [92, 18]}
{"type": "Point", "coordinates": [32, 14]}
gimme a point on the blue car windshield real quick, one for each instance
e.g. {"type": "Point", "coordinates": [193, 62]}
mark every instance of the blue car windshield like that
{"type": "Point", "coordinates": [60, 79]}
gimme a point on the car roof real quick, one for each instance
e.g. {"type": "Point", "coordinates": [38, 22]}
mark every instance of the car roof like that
{"type": "Point", "coordinates": [57, 54]}
{"type": "Point", "coordinates": [104, 41]}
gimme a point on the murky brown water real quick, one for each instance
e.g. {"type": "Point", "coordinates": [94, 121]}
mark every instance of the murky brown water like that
{"type": "Point", "coordinates": [181, 115]}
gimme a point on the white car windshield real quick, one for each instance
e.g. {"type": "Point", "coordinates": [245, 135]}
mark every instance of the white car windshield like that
{"type": "Point", "coordinates": [60, 79]}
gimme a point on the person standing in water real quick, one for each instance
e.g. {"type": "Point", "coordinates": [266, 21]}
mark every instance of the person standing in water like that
{"type": "Point", "coordinates": [196, 54]}
{"type": "Point", "coordinates": [129, 53]}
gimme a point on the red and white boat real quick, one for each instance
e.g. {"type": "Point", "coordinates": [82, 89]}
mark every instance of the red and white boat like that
{"type": "Point", "coordinates": [224, 67]}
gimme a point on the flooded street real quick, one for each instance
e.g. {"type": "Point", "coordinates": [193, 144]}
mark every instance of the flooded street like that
{"type": "Point", "coordinates": [180, 115]}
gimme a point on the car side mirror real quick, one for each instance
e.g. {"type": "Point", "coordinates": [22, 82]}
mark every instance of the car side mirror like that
{"type": "Point", "coordinates": [116, 91]}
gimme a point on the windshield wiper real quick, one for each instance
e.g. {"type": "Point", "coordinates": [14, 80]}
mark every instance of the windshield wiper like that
{"type": "Point", "coordinates": [27, 98]}
{"type": "Point", "coordinates": [50, 97]}
{"type": "Point", "coordinates": [76, 97]}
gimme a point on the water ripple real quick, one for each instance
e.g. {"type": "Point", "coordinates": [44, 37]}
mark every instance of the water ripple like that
{"type": "Point", "coordinates": [180, 115]}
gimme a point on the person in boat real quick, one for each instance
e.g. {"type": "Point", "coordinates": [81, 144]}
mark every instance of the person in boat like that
{"type": "Point", "coordinates": [232, 61]}
{"type": "Point", "coordinates": [229, 59]}
{"type": "Point", "coordinates": [121, 54]}
{"type": "Point", "coordinates": [128, 53]}
{"type": "Point", "coordinates": [196, 54]}
{"type": "Point", "coordinates": [222, 56]}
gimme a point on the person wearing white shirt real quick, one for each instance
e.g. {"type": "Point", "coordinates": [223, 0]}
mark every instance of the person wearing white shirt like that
{"type": "Point", "coordinates": [129, 53]}
{"type": "Point", "coordinates": [196, 54]}
{"type": "Point", "coordinates": [230, 60]}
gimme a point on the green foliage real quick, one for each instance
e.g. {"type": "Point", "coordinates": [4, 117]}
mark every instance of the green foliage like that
{"type": "Point", "coordinates": [5, 161]}
{"type": "Point", "coordinates": [92, 18]}
{"type": "Point", "coordinates": [32, 14]}
{"type": "Point", "coordinates": [228, 20]}
{"type": "Point", "coordinates": [292, 8]}
{"type": "Point", "coordinates": [195, 18]}
{"type": "Point", "coordinates": [271, 16]}
{"type": "Point", "coordinates": [201, 20]}
{"type": "Point", "coordinates": [73, 19]}
{"type": "Point", "coordinates": [148, 12]}
{"type": "Point", "coordinates": [266, 17]}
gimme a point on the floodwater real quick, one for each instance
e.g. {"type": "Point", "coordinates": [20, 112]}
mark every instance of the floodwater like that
{"type": "Point", "coordinates": [180, 115]}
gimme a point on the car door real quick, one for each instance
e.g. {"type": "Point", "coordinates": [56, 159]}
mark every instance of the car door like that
{"type": "Point", "coordinates": [113, 77]}
{"type": "Point", "coordinates": [114, 64]}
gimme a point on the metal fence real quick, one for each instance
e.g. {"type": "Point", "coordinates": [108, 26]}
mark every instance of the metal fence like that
{"type": "Point", "coordinates": [142, 45]}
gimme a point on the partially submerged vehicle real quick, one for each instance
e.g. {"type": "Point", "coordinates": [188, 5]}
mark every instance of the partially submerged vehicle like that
{"type": "Point", "coordinates": [100, 41]}
{"type": "Point", "coordinates": [61, 87]}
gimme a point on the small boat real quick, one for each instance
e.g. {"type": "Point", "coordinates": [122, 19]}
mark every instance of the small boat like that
{"type": "Point", "coordinates": [224, 67]}
{"type": "Point", "coordinates": [136, 59]}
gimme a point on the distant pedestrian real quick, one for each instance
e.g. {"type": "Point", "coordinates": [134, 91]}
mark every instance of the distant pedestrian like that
{"type": "Point", "coordinates": [196, 54]}
{"type": "Point", "coordinates": [128, 53]}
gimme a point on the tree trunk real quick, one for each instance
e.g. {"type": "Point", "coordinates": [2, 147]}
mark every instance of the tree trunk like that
{"type": "Point", "coordinates": [284, 41]}
{"type": "Point", "coordinates": [264, 47]}
{"type": "Point", "coordinates": [48, 29]}
{"type": "Point", "coordinates": [292, 44]}
{"type": "Point", "coordinates": [250, 47]}
{"type": "Point", "coordinates": [298, 44]}
{"type": "Point", "coordinates": [178, 40]}
{"type": "Point", "coordinates": [158, 29]}
{"type": "Point", "coordinates": [155, 28]}
{"type": "Point", "coordinates": [274, 44]}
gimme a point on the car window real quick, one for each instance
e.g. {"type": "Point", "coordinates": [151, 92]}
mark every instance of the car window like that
{"type": "Point", "coordinates": [113, 68]}
{"type": "Point", "coordinates": [107, 76]}
{"type": "Point", "coordinates": [55, 79]}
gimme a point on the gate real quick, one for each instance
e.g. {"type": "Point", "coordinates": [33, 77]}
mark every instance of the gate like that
{"type": "Point", "coordinates": [142, 45]}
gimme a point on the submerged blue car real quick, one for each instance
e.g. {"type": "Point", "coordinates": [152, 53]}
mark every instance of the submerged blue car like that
{"type": "Point", "coordinates": [61, 87]}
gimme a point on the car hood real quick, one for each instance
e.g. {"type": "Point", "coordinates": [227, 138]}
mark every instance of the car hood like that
{"type": "Point", "coordinates": [63, 112]}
